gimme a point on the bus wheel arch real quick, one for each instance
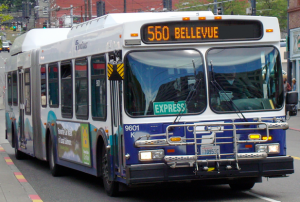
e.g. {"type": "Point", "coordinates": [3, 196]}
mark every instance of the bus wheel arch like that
{"type": "Point", "coordinates": [55, 169]}
{"type": "Point", "coordinates": [111, 187]}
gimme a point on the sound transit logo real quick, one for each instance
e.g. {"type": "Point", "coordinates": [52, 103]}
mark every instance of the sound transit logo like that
{"type": "Point", "coordinates": [81, 45]}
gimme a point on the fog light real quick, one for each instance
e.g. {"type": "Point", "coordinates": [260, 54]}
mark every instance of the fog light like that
{"type": "Point", "coordinates": [274, 149]}
{"type": "Point", "coordinates": [151, 155]}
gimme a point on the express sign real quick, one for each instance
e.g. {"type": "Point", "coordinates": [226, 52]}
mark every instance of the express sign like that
{"type": "Point", "coordinates": [198, 31]}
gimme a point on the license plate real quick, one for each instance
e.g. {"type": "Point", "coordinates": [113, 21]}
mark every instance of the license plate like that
{"type": "Point", "coordinates": [206, 150]}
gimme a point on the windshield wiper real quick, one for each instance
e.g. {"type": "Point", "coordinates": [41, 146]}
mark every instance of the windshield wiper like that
{"type": "Point", "coordinates": [191, 94]}
{"type": "Point", "coordinates": [227, 98]}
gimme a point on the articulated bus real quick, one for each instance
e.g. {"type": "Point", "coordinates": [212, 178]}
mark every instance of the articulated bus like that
{"type": "Point", "coordinates": [140, 98]}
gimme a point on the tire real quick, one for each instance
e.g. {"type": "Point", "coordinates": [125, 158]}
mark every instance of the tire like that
{"type": "Point", "coordinates": [111, 187]}
{"type": "Point", "coordinates": [56, 170]}
{"type": "Point", "coordinates": [242, 186]}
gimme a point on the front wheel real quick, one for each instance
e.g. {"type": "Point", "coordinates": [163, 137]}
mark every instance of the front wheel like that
{"type": "Point", "coordinates": [111, 187]}
{"type": "Point", "coordinates": [56, 170]}
{"type": "Point", "coordinates": [242, 186]}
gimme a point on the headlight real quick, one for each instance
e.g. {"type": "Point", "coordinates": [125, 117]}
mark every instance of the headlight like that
{"type": "Point", "coordinates": [151, 155]}
{"type": "Point", "coordinates": [269, 148]}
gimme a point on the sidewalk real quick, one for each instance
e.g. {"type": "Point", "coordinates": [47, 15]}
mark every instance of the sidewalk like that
{"type": "Point", "coordinates": [13, 185]}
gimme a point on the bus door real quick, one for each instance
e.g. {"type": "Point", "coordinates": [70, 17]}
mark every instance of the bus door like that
{"type": "Point", "coordinates": [117, 125]}
{"type": "Point", "coordinates": [21, 135]}
{"type": "Point", "coordinates": [116, 75]}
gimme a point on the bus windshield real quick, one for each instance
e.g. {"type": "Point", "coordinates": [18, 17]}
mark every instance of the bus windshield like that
{"type": "Point", "coordinates": [245, 79]}
{"type": "Point", "coordinates": [164, 83]}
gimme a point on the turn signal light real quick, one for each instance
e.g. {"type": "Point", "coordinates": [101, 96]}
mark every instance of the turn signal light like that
{"type": "Point", "coordinates": [265, 138]}
{"type": "Point", "coordinates": [254, 136]}
{"type": "Point", "coordinates": [175, 139]}
{"type": "Point", "coordinates": [269, 30]}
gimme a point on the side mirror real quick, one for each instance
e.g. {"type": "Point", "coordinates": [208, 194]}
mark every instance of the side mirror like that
{"type": "Point", "coordinates": [291, 102]}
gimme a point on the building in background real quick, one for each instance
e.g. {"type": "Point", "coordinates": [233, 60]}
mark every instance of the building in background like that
{"type": "Point", "coordinates": [294, 42]}
{"type": "Point", "coordinates": [59, 11]}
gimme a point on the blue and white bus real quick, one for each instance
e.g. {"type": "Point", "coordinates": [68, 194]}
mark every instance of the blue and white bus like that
{"type": "Point", "coordinates": [141, 98]}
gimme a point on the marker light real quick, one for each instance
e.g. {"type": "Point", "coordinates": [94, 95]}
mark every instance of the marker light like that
{"type": "Point", "coordinates": [175, 139]}
{"type": "Point", "coordinates": [269, 30]}
{"type": "Point", "coordinates": [265, 138]}
{"type": "Point", "coordinates": [134, 34]}
{"type": "Point", "coordinates": [254, 136]}
{"type": "Point", "coordinates": [218, 17]}
{"type": "Point", "coordinates": [186, 18]}
{"type": "Point", "coordinates": [202, 18]}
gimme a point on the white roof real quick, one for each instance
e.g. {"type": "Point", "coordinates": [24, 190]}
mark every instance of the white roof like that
{"type": "Point", "coordinates": [114, 19]}
{"type": "Point", "coordinates": [36, 38]}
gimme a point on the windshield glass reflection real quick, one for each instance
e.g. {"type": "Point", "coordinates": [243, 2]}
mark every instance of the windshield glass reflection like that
{"type": "Point", "coordinates": [164, 83]}
{"type": "Point", "coordinates": [245, 79]}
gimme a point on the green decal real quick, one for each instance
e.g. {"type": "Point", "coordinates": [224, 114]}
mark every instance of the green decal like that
{"type": "Point", "coordinates": [86, 155]}
{"type": "Point", "coordinates": [164, 108]}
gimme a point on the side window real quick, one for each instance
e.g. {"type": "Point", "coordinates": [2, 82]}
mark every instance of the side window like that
{"type": "Point", "coordinates": [15, 88]}
{"type": "Point", "coordinates": [81, 88]}
{"type": "Point", "coordinates": [53, 85]}
{"type": "Point", "coordinates": [98, 87]}
{"type": "Point", "coordinates": [27, 92]}
{"type": "Point", "coordinates": [9, 88]}
{"type": "Point", "coordinates": [66, 89]}
{"type": "Point", "coordinates": [43, 86]}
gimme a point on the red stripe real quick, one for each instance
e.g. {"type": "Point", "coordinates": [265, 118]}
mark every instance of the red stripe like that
{"type": "Point", "coordinates": [35, 197]}
{"type": "Point", "coordinates": [295, 129]}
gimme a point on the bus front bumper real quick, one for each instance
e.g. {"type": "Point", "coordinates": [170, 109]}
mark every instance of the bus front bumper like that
{"type": "Point", "coordinates": [161, 172]}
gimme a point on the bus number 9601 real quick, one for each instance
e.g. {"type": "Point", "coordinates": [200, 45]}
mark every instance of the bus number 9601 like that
{"type": "Point", "coordinates": [132, 128]}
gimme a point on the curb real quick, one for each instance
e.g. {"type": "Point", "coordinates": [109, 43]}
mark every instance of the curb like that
{"type": "Point", "coordinates": [14, 171]}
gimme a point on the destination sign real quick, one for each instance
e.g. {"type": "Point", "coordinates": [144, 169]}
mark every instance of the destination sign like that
{"type": "Point", "coordinates": [201, 31]}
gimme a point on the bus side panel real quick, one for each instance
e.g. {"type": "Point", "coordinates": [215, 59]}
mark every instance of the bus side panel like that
{"type": "Point", "coordinates": [38, 128]}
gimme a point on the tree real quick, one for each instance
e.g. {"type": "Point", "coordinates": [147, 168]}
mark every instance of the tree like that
{"type": "Point", "coordinates": [4, 17]}
{"type": "Point", "coordinates": [236, 7]}
{"type": "Point", "coordinates": [274, 8]}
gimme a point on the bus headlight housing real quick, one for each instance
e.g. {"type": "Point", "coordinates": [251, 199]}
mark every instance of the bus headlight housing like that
{"type": "Point", "coordinates": [151, 155]}
{"type": "Point", "coordinates": [268, 148]}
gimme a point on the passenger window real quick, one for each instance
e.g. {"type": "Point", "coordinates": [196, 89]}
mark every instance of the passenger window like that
{"type": "Point", "coordinates": [98, 87]}
{"type": "Point", "coordinates": [81, 88]}
{"type": "Point", "coordinates": [53, 85]}
{"type": "Point", "coordinates": [27, 92]}
{"type": "Point", "coordinates": [43, 86]}
{"type": "Point", "coordinates": [15, 88]}
{"type": "Point", "coordinates": [66, 89]}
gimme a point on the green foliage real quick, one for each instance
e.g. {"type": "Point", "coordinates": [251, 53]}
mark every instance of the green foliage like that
{"type": "Point", "coordinates": [4, 17]}
{"type": "Point", "coordinates": [237, 7]}
{"type": "Point", "coordinates": [274, 8]}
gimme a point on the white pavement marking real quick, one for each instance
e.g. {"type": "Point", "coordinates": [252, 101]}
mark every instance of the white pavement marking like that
{"type": "Point", "coordinates": [261, 197]}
